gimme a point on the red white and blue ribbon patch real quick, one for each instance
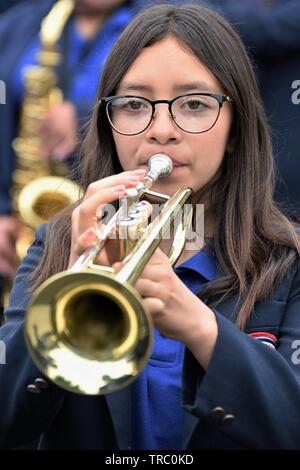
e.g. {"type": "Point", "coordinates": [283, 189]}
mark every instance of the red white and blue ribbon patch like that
{"type": "Point", "coordinates": [267, 338]}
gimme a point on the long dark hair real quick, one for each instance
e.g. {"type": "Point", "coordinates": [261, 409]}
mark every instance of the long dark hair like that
{"type": "Point", "coordinates": [254, 243]}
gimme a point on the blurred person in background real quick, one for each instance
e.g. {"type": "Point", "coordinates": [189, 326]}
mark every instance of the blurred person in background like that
{"type": "Point", "coordinates": [85, 43]}
{"type": "Point", "coordinates": [6, 4]}
{"type": "Point", "coordinates": [271, 31]}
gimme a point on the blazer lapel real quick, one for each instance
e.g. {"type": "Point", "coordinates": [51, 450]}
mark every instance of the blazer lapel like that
{"type": "Point", "coordinates": [227, 309]}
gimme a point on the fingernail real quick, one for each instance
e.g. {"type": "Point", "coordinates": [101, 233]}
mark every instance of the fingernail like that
{"type": "Point", "coordinates": [139, 171]}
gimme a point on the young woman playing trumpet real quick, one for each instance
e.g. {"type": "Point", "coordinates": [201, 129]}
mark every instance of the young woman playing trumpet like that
{"type": "Point", "coordinates": [224, 370]}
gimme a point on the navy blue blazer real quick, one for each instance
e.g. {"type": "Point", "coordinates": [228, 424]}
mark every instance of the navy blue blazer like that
{"type": "Point", "coordinates": [248, 398]}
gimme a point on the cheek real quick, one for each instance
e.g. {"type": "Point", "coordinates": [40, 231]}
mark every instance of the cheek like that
{"type": "Point", "coordinates": [126, 150]}
{"type": "Point", "coordinates": [219, 137]}
{"type": "Point", "coordinates": [209, 157]}
{"type": "Point", "coordinates": [210, 150]}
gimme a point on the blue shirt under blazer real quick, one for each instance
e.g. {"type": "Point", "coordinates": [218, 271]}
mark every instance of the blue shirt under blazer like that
{"type": "Point", "coordinates": [248, 398]}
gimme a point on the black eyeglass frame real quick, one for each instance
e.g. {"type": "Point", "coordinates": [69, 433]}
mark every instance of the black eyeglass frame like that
{"type": "Point", "coordinates": [219, 97]}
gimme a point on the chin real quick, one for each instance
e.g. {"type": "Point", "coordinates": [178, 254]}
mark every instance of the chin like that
{"type": "Point", "coordinates": [167, 188]}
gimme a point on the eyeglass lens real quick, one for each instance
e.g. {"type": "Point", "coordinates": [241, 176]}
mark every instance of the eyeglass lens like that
{"type": "Point", "coordinates": [132, 115]}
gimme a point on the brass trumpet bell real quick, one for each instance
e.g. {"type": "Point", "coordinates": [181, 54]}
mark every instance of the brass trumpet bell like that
{"type": "Point", "coordinates": [88, 325]}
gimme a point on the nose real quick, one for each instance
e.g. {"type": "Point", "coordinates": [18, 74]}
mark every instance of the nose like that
{"type": "Point", "coordinates": [162, 128]}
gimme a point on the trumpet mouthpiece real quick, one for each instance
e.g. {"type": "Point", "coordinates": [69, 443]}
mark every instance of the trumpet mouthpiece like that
{"type": "Point", "coordinates": [159, 165]}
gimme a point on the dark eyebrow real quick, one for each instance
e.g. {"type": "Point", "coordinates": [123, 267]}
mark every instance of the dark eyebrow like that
{"type": "Point", "coordinates": [135, 86]}
{"type": "Point", "coordinates": [199, 86]}
{"type": "Point", "coordinates": [183, 87]}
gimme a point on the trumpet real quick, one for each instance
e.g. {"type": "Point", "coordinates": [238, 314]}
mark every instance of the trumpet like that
{"type": "Point", "coordinates": [87, 328]}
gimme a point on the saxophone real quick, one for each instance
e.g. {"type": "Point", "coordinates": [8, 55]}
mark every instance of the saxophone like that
{"type": "Point", "coordinates": [38, 193]}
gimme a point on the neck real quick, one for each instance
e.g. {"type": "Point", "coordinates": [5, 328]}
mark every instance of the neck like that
{"type": "Point", "coordinates": [193, 245]}
{"type": "Point", "coordinates": [89, 25]}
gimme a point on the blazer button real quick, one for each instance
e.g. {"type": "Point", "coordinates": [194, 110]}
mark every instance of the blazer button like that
{"type": "Point", "coordinates": [42, 384]}
{"type": "Point", "coordinates": [32, 388]}
{"type": "Point", "coordinates": [217, 413]}
{"type": "Point", "coordinates": [227, 419]}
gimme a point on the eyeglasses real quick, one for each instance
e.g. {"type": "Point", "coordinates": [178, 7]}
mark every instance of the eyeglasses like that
{"type": "Point", "coordinates": [194, 113]}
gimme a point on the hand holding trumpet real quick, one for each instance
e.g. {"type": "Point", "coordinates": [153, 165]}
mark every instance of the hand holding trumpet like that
{"type": "Point", "coordinates": [165, 296]}
{"type": "Point", "coordinates": [99, 194]}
